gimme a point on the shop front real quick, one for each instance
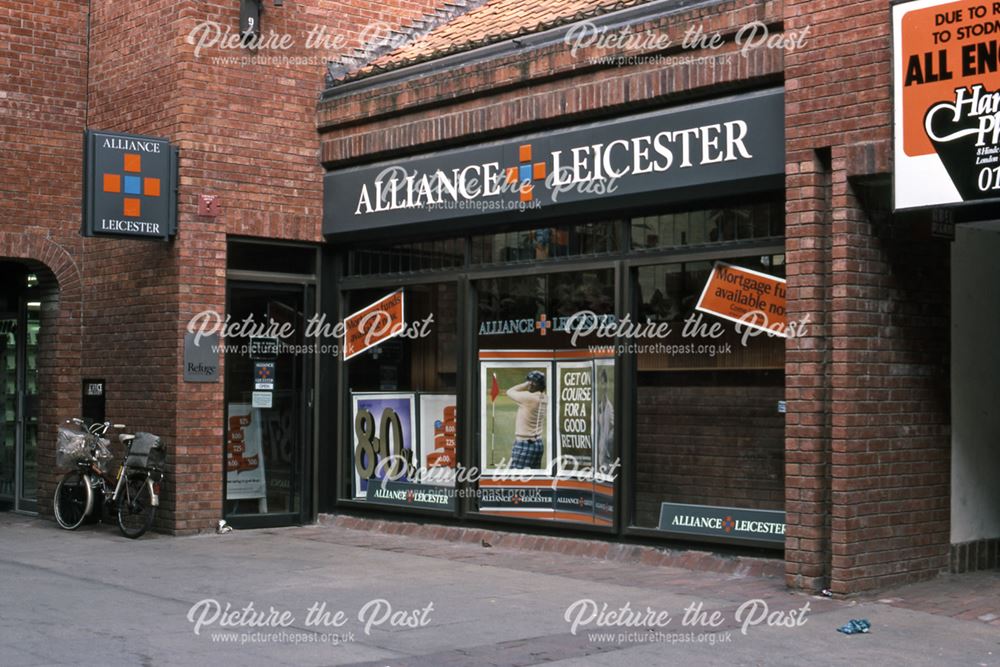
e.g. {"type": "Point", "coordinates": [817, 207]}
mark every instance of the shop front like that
{"type": "Point", "coordinates": [592, 334]}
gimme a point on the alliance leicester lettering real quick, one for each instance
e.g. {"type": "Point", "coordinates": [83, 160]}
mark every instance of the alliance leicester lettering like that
{"type": "Point", "coordinates": [130, 226]}
{"type": "Point", "coordinates": [395, 189]}
{"type": "Point", "coordinates": [738, 525]}
{"type": "Point", "coordinates": [123, 144]}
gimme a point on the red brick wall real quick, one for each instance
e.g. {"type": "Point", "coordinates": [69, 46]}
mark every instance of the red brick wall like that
{"type": "Point", "coordinates": [540, 86]}
{"type": "Point", "coordinates": [42, 107]}
{"type": "Point", "coordinates": [246, 133]}
{"type": "Point", "coordinates": [709, 445]}
{"type": "Point", "coordinates": [868, 440]}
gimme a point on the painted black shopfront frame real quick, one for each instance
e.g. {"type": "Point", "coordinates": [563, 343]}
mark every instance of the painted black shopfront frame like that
{"type": "Point", "coordinates": [336, 424]}
{"type": "Point", "coordinates": [335, 456]}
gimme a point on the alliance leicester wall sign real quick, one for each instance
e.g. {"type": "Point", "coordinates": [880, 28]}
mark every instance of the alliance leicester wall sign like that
{"type": "Point", "coordinates": [946, 102]}
{"type": "Point", "coordinates": [666, 155]}
{"type": "Point", "coordinates": [129, 186]}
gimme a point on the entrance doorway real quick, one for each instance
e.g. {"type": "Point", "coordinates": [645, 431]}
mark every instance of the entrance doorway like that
{"type": "Point", "coordinates": [975, 398]}
{"type": "Point", "coordinates": [269, 405]}
{"type": "Point", "coordinates": [20, 308]}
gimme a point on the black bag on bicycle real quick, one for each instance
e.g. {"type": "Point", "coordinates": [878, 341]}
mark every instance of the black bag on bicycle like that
{"type": "Point", "coordinates": [147, 452]}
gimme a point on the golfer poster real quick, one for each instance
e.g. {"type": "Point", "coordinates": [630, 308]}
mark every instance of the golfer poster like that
{"type": "Point", "coordinates": [515, 415]}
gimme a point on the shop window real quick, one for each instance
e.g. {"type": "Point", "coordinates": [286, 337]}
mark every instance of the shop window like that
{"type": "Point", "coordinates": [546, 399]}
{"type": "Point", "coordinates": [595, 238]}
{"type": "Point", "coordinates": [270, 257]}
{"type": "Point", "coordinates": [708, 226]}
{"type": "Point", "coordinates": [403, 404]}
{"type": "Point", "coordinates": [432, 255]}
{"type": "Point", "coordinates": [709, 426]}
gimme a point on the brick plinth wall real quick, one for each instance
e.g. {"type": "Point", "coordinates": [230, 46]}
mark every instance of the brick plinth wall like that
{"type": "Point", "coordinates": [717, 445]}
{"type": "Point", "coordinates": [588, 547]}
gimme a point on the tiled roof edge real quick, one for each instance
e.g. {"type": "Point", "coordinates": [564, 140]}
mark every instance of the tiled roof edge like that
{"type": "Point", "coordinates": [338, 70]}
{"type": "Point", "coordinates": [363, 70]}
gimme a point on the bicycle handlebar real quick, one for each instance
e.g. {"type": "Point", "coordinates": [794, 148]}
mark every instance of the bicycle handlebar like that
{"type": "Point", "coordinates": [97, 428]}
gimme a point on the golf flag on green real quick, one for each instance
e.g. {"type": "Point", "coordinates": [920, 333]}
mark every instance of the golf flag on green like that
{"type": "Point", "coordinates": [494, 392]}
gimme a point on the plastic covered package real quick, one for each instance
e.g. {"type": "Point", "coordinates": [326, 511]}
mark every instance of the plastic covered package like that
{"type": "Point", "coordinates": [102, 452]}
{"type": "Point", "coordinates": [72, 445]}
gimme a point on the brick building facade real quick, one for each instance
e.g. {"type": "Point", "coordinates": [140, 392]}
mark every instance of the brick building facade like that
{"type": "Point", "coordinates": [863, 466]}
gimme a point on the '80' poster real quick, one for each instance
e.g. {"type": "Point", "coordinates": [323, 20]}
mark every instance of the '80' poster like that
{"type": "Point", "coordinates": [946, 83]}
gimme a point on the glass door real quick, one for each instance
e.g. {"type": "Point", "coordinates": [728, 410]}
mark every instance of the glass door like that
{"type": "Point", "coordinates": [8, 407]}
{"type": "Point", "coordinates": [19, 327]}
{"type": "Point", "coordinates": [27, 463]}
{"type": "Point", "coordinates": [269, 396]}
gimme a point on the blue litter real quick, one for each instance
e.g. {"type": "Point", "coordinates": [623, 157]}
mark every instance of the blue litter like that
{"type": "Point", "coordinates": [855, 626]}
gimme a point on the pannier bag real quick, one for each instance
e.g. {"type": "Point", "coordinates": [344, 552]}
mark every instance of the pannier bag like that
{"type": "Point", "coordinates": [147, 452]}
{"type": "Point", "coordinates": [72, 445]}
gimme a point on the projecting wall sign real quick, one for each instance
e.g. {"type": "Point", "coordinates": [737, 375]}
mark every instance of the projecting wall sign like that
{"type": "Point", "coordinates": [661, 156]}
{"type": "Point", "coordinates": [130, 186]}
{"type": "Point", "coordinates": [946, 103]}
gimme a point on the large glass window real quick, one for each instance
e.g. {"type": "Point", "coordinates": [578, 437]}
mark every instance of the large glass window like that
{"type": "Point", "coordinates": [403, 403]}
{"type": "Point", "coordinates": [709, 425]}
{"type": "Point", "coordinates": [546, 397]}
{"type": "Point", "coordinates": [594, 238]}
{"type": "Point", "coordinates": [547, 347]}
{"type": "Point", "coordinates": [746, 222]}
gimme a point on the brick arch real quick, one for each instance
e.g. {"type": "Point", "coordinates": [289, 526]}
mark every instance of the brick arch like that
{"type": "Point", "coordinates": [59, 344]}
{"type": "Point", "coordinates": [56, 259]}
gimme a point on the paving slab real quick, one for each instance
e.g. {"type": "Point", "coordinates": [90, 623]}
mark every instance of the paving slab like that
{"type": "Point", "coordinates": [93, 597]}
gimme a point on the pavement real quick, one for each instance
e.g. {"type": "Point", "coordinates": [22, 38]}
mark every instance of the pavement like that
{"type": "Point", "coordinates": [325, 595]}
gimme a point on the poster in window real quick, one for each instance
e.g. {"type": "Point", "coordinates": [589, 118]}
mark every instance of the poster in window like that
{"type": "Point", "coordinates": [383, 438]}
{"type": "Point", "coordinates": [575, 415]}
{"type": "Point", "coordinates": [515, 414]}
{"type": "Point", "coordinates": [245, 478]}
{"type": "Point", "coordinates": [438, 423]}
{"type": "Point", "coordinates": [605, 467]}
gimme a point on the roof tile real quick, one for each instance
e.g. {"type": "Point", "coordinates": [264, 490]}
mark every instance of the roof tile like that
{"type": "Point", "coordinates": [479, 25]}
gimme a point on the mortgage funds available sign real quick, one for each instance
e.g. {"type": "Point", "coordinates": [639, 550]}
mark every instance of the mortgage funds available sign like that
{"type": "Point", "coordinates": [129, 186]}
{"type": "Point", "coordinates": [946, 79]}
{"type": "Point", "coordinates": [754, 299]}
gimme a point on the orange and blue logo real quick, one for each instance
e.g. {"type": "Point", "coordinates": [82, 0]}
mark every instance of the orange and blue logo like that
{"type": "Point", "coordinates": [525, 172]}
{"type": "Point", "coordinates": [132, 185]}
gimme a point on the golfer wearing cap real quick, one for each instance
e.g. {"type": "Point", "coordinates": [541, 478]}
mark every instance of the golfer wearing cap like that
{"type": "Point", "coordinates": [530, 398]}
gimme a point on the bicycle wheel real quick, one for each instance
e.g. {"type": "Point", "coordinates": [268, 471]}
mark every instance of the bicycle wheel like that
{"type": "Point", "coordinates": [135, 506]}
{"type": "Point", "coordinates": [73, 499]}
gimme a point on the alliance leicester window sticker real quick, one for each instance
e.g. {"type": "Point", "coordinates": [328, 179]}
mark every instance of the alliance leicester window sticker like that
{"type": "Point", "coordinates": [946, 102]}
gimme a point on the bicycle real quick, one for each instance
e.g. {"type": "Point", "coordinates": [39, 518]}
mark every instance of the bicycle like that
{"type": "Point", "coordinates": [133, 494]}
